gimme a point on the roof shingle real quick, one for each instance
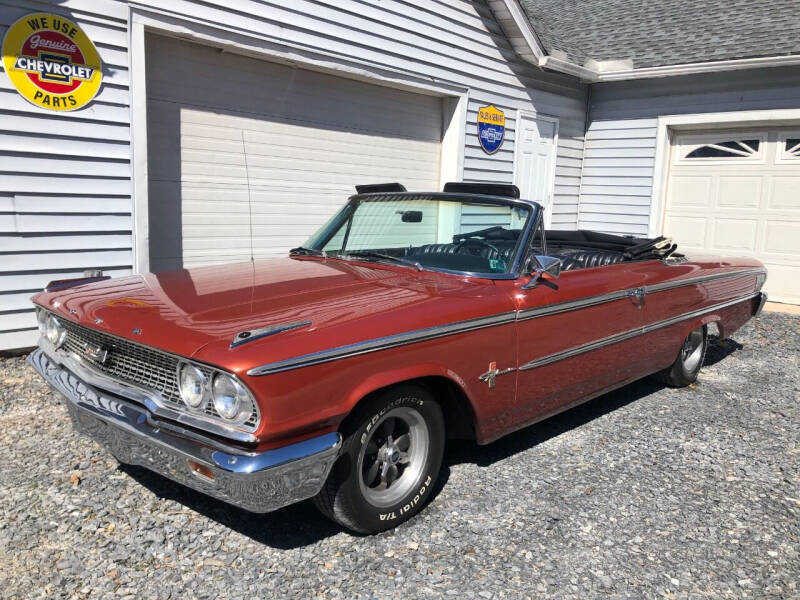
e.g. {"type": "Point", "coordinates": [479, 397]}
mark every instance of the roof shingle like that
{"type": "Point", "coordinates": [666, 32]}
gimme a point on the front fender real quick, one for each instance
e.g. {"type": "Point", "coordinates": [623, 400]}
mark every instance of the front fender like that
{"type": "Point", "coordinates": [377, 381]}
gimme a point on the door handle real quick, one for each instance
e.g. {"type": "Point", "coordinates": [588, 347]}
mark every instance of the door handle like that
{"type": "Point", "coordinates": [637, 296]}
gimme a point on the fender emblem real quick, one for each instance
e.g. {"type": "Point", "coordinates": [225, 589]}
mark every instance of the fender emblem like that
{"type": "Point", "coordinates": [490, 375]}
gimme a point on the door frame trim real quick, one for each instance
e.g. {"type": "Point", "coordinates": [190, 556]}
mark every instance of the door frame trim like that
{"type": "Point", "coordinates": [253, 45]}
{"type": "Point", "coordinates": [551, 186]}
{"type": "Point", "coordinates": [668, 124]}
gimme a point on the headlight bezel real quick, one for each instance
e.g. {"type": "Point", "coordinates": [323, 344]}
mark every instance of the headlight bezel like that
{"type": "Point", "coordinates": [245, 403]}
{"type": "Point", "coordinates": [54, 332]}
{"type": "Point", "coordinates": [41, 319]}
{"type": "Point", "coordinates": [243, 400]}
{"type": "Point", "coordinates": [199, 377]}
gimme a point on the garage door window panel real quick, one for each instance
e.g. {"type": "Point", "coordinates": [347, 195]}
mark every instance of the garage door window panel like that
{"type": "Point", "coordinates": [731, 149]}
{"type": "Point", "coordinates": [788, 147]}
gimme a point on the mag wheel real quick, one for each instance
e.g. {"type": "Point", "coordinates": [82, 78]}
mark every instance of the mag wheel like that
{"type": "Point", "coordinates": [689, 360]}
{"type": "Point", "coordinates": [391, 456]}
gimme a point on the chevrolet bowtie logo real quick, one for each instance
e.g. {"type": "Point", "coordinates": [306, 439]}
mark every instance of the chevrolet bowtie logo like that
{"type": "Point", "coordinates": [490, 375]}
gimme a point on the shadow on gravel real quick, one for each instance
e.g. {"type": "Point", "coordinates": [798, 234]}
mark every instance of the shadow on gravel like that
{"type": "Point", "coordinates": [719, 349]}
{"type": "Point", "coordinates": [295, 526]}
{"type": "Point", "coordinates": [524, 439]}
{"type": "Point", "coordinates": [301, 524]}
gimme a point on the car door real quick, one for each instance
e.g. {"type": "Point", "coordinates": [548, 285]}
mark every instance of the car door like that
{"type": "Point", "coordinates": [577, 337]}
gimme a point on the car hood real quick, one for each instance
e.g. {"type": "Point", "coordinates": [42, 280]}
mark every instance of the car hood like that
{"type": "Point", "coordinates": [197, 312]}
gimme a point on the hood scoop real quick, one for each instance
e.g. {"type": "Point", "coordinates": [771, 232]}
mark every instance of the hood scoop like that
{"type": "Point", "coordinates": [250, 335]}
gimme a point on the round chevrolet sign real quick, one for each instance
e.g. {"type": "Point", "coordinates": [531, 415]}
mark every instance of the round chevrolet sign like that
{"type": "Point", "coordinates": [51, 62]}
{"type": "Point", "coordinates": [491, 128]}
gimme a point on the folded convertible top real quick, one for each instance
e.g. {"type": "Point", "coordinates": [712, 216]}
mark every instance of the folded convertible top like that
{"type": "Point", "coordinates": [632, 248]}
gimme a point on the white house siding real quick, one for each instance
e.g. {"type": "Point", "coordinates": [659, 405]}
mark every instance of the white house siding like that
{"type": "Point", "coordinates": [65, 179]}
{"type": "Point", "coordinates": [619, 157]}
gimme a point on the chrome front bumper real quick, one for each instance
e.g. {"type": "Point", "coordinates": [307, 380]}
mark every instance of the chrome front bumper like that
{"type": "Point", "coordinates": [258, 482]}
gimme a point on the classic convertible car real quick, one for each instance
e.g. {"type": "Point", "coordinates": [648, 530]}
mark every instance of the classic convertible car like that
{"type": "Point", "coordinates": [338, 373]}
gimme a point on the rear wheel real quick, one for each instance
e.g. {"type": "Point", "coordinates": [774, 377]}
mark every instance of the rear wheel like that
{"type": "Point", "coordinates": [690, 358]}
{"type": "Point", "coordinates": [390, 459]}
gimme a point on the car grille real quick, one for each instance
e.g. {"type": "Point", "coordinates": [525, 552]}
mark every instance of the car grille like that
{"type": "Point", "coordinates": [132, 363]}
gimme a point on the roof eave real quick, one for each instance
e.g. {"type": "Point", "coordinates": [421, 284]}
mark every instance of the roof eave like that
{"type": "Point", "coordinates": [518, 29]}
{"type": "Point", "coordinates": [702, 67]}
{"type": "Point", "coordinates": [526, 44]}
{"type": "Point", "coordinates": [564, 66]}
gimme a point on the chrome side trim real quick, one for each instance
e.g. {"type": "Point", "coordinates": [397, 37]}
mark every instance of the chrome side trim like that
{"type": "Point", "coordinates": [626, 335]}
{"type": "Point", "coordinates": [559, 307]}
{"type": "Point", "coordinates": [668, 285]}
{"type": "Point", "coordinates": [551, 309]}
{"type": "Point", "coordinates": [252, 335]}
{"type": "Point", "coordinates": [421, 335]}
{"type": "Point", "coordinates": [383, 343]}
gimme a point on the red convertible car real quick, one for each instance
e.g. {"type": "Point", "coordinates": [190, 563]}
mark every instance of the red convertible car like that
{"type": "Point", "coordinates": [338, 373]}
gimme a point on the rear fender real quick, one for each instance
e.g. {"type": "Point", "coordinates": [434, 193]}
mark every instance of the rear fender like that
{"type": "Point", "coordinates": [727, 320]}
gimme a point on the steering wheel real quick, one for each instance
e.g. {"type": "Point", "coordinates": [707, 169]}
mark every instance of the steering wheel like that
{"type": "Point", "coordinates": [479, 242]}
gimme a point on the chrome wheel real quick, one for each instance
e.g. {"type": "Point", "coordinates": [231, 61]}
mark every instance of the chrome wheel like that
{"type": "Point", "coordinates": [692, 350]}
{"type": "Point", "coordinates": [392, 460]}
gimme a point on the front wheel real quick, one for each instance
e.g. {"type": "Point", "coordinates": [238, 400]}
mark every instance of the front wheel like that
{"type": "Point", "coordinates": [690, 358]}
{"type": "Point", "coordinates": [390, 458]}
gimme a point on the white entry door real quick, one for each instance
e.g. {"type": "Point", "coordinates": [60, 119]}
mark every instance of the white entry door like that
{"type": "Point", "coordinates": [534, 160]}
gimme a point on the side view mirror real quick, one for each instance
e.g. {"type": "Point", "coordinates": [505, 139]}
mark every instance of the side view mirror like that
{"type": "Point", "coordinates": [542, 264]}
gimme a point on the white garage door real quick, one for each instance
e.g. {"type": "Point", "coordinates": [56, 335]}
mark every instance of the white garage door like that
{"type": "Point", "coordinates": [738, 193]}
{"type": "Point", "coordinates": [302, 140]}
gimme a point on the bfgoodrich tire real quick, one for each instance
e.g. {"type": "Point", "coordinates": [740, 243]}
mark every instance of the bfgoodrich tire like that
{"type": "Point", "coordinates": [390, 459]}
{"type": "Point", "coordinates": [690, 358]}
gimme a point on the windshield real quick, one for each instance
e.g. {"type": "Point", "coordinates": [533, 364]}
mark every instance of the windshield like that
{"type": "Point", "coordinates": [427, 232]}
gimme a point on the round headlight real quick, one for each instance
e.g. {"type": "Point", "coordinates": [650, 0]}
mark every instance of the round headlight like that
{"type": "Point", "coordinates": [192, 385]}
{"type": "Point", "coordinates": [54, 331]}
{"type": "Point", "coordinates": [231, 399]}
{"type": "Point", "coordinates": [41, 319]}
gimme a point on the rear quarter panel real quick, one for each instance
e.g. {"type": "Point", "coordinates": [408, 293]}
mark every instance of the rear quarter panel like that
{"type": "Point", "coordinates": [711, 286]}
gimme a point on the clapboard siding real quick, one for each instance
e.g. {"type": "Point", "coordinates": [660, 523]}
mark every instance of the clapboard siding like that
{"type": "Point", "coordinates": [620, 143]}
{"type": "Point", "coordinates": [39, 242]}
{"type": "Point", "coordinates": [15, 301]}
{"type": "Point", "coordinates": [65, 193]}
{"type": "Point", "coordinates": [65, 178]}
{"type": "Point", "coordinates": [454, 42]}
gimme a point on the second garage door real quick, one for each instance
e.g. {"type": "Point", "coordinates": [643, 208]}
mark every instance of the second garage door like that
{"type": "Point", "coordinates": [738, 193]}
{"type": "Point", "coordinates": [247, 157]}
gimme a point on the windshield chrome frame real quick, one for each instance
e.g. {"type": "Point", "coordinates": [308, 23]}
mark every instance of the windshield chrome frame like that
{"type": "Point", "coordinates": [522, 247]}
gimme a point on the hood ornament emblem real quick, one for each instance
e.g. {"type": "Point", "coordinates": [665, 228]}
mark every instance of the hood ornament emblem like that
{"type": "Point", "coordinates": [251, 335]}
{"type": "Point", "coordinates": [490, 375]}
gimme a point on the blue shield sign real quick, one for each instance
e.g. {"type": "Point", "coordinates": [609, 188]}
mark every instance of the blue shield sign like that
{"type": "Point", "coordinates": [491, 128]}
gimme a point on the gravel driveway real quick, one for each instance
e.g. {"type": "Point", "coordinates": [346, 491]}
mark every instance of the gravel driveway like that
{"type": "Point", "coordinates": [644, 493]}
